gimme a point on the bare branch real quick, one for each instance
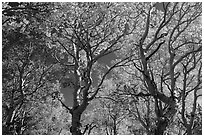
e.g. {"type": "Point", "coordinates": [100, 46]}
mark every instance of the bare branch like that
{"type": "Point", "coordinates": [69, 109]}
{"type": "Point", "coordinates": [147, 28]}
{"type": "Point", "coordinates": [151, 54]}
{"type": "Point", "coordinates": [185, 55]}
{"type": "Point", "coordinates": [104, 76]}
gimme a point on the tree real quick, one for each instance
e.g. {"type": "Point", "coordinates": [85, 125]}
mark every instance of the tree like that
{"type": "Point", "coordinates": [190, 91]}
{"type": "Point", "coordinates": [162, 44]}
{"type": "Point", "coordinates": [152, 85]}
{"type": "Point", "coordinates": [50, 118]}
{"type": "Point", "coordinates": [109, 111]}
{"type": "Point", "coordinates": [84, 33]}
{"type": "Point", "coordinates": [23, 64]}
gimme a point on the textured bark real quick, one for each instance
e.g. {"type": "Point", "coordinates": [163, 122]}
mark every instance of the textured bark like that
{"type": "Point", "coordinates": [76, 116]}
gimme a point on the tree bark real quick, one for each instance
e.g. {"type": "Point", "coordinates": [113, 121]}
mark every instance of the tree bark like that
{"type": "Point", "coordinates": [161, 126]}
{"type": "Point", "coordinates": [75, 128]}
{"type": "Point", "coordinates": [76, 117]}
{"type": "Point", "coordinates": [114, 127]}
{"type": "Point", "coordinates": [189, 131]}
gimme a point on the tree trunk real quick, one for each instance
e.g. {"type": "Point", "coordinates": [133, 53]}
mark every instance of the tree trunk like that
{"type": "Point", "coordinates": [75, 128]}
{"type": "Point", "coordinates": [189, 131]}
{"type": "Point", "coordinates": [114, 128]}
{"type": "Point", "coordinates": [161, 126]}
{"type": "Point", "coordinates": [76, 117]}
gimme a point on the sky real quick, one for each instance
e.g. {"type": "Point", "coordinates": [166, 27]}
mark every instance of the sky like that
{"type": "Point", "coordinates": [68, 92]}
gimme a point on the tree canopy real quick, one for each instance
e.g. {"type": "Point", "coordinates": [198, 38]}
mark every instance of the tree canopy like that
{"type": "Point", "coordinates": [108, 68]}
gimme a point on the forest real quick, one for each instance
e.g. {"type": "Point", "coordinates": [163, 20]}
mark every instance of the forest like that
{"type": "Point", "coordinates": [101, 68]}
